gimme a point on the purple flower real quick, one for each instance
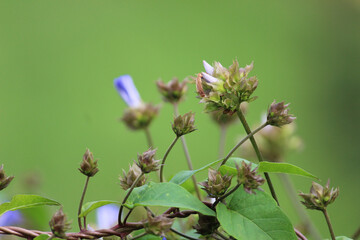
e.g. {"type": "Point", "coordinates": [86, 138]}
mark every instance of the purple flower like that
{"type": "Point", "coordinates": [11, 218]}
{"type": "Point", "coordinates": [107, 216]}
{"type": "Point", "coordinates": [127, 90]}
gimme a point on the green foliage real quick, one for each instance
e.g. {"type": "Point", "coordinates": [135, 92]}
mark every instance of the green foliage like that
{"type": "Point", "coordinates": [25, 201]}
{"type": "Point", "coordinates": [254, 216]}
{"type": "Point", "coordinates": [43, 237]}
{"type": "Point", "coordinates": [90, 206]}
{"type": "Point", "coordinates": [166, 195]}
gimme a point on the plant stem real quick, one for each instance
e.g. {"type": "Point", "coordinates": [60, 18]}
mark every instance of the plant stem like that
{"type": "Point", "coordinates": [148, 138]}
{"type": "Point", "coordinates": [356, 234]}
{"type": "Point", "coordinates": [257, 151]}
{"type": "Point", "coordinates": [82, 201]}
{"type": "Point", "coordinates": [299, 235]}
{"type": "Point", "coordinates": [221, 235]}
{"type": "Point", "coordinates": [127, 196]}
{"type": "Point", "coordinates": [329, 224]}
{"type": "Point", "coordinates": [225, 195]}
{"type": "Point", "coordinates": [242, 141]}
{"type": "Point", "coordinates": [164, 158]}
{"type": "Point", "coordinates": [183, 235]}
{"type": "Point", "coordinates": [187, 155]}
{"type": "Point", "coordinates": [222, 142]}
{"type": "Point", "coordinates": [127, 215]}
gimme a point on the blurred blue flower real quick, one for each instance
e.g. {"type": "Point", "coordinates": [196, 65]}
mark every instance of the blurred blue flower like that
{"type": "Point", "coordinates": [164, 238]}
{"type": "Point", "coordinates": [107, 216]}
{"type": "Point", "coordinates": [127, 90]}
{"type": "Point", "coordinates": [11, 218]}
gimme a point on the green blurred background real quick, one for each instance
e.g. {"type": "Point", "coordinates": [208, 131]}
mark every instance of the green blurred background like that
{"type": "Point", "coordinates": [58, 60]}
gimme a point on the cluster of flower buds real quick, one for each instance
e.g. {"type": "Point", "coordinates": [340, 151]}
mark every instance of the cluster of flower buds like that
{"type": "Point", "coordinates": [173, 91]}
{"type": "Point", "coordinates": [248, 177]}
{"type": "Point", "coordinates": [127, 180]}
{"type": "Point", "coordinates": [224, 119]}
{"type": "Point", "coordinates": [216, 184]}
{"type": "Point", "coordinates": [4, 180]}
{"type": "Point", "coordinates": [278, 114]}
{"type": "Point", "coordinates": [88, 165]}
{"type": "Point", "coordinates": [184, 124]}
{"type": "Point", "coordinates": [59, 225]}
{"type": "Point", "coordinates": [146, 161]}
{"type": "Point", "coordinates": [139, 115]}
{"type": "Point", "coordinates": [158, 225]}
{"type": "Point", "coordinates": [223, 88]}
{"type": "Point", "coordinates": [319, 197]}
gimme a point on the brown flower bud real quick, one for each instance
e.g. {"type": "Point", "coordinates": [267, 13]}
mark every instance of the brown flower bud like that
{"type": "Point", "coordinates": [319, 197]}
{"type": "Point", "coordinates": [146, 161]}
{"type": "Point", "coordinates": [184, 124]}
{"type": "Point", "coordinates": [158, 225]}
{"type": "Point", "coordinates": [127, 180]}
{"type": "Point", "coordinates": [206, 225]}
{"type": "Point", "coordinates": [248, 177]}
{"type": "Point", "coordinates": [88, 165]}
{"type": "Point", "coordinates": [173, 91]}
{"type": "Point", "coordinates": [216, 184]}
{"type": "Point", "coordinates": [59, 225]}
{"type": "Point", "coordinates": [278, 114]}
{"type": "Point", "coordinates": [140, 117]}
{"type": "Point", "coordinates": [4, 180]}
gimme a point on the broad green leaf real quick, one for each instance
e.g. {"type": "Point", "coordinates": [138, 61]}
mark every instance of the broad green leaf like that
{"type": "Point", "coordinates": [166, 195]}
{"type": "Point", "coordinates": [90, 206]}
{"type": "Point", "coordinates": [233, 161]}
{"type": "Point", "coordinates": [284, 168]}
{"type": "Point", "coordinates": [25, 201]}
{"type": "Point", "coordinates": [254, 216]}
{"type": "Point", "coordinates": [182, 176]}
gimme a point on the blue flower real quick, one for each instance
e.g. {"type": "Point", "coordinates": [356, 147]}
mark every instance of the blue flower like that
{"type": "Point", "coordinates": [163, 238]}
{"type": "Point", "coordinates": [11, 218]}
{"type": "Point", "coordinates": [127, 90]}
{"type": "Point", "coordinates": [107, 216]}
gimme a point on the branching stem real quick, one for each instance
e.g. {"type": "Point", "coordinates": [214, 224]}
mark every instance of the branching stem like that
{"type": "Point", "coordinates": [225, 195]}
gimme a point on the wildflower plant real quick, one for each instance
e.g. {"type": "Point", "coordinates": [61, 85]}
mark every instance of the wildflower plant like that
{"type": "Point", "coordinates": [231, 203]}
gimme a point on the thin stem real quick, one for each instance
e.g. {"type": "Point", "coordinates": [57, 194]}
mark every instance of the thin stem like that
{"type": "Point", "coordinates": [303, 216]}
{"type": "Point", "coordinates": [222, 142]}
{"type": "Point", "coordinates": [257, 151]}
{"type": "Point", "coordinates": [225, 195]}
{"type": "Point", "coordinates": [82, 201]}
{"type": "Point", "coordinates": [250, 135]}
{"type": "Point", "coordinates": [299, 234]}
{"type": "Point", "coordinates": [127, 196]}
{"type": "Point", "coordinates": [183, 235]}
{"type": "Point", "coordinates": [127, 215]}
{"type": "Point", "coordinates": [329, 224]}
{"type": "Point", "coordinates": [187, 156]}
{"type": "Point", "coordinates": [356, 234]}
{"type": "Point", "coordinates": [221, 235]}
{"type": "Point", "coordinates": [148, 138]}
{"type": "Point", "coordinates": [164, 158]}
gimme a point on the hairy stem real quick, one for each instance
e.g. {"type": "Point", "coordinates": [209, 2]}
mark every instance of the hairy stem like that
{"type": "Point", "coordinates": [164, 158]}
{"type": "Point", "coordinates": [225, 195]}
{"type": "Point", "coordinates": [183, 235]}
{"type": "Point", "coordinates": [257, 151]}
{"type": "Point", "coordinates": [242, 141]}
{"type": "Point", "coordinates": [187, 155]}
{"type": "Point", "coordinates": [82, 201]}
{"type": "Point", "coordinates": [127, 196]}
{"type": "Point", "coordinates": [222, 142]}
{"type": "Point", "coordinates": [148, 138]}
{"type": "Point", "coordinates": [329, 224]}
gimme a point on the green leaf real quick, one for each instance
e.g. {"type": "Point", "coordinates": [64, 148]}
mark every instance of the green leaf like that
{"type": "Point", "coordinates": [166, 195]}
{"type": "Point", "coordinates": [150, 237]}
{"type": "Point", "coordinates": [25, 201]}
{"type": "Point", "coordinates": [231, 162]}
{"type": "Point", "coordinates": [254, 216]}
{"type": "Point", "coordinates": [182, 176]}
{"type": "Point", "coordinates": [42, 237]}
{"type": "Point", "coordinates": [342, 238]}
{"type": "Point", "coordinates": [284, 168]}
{"type": "Point", "coordinates": [90, 206]}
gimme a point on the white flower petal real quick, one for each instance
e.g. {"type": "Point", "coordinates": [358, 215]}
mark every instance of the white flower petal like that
{"type": "Point", "coordinates": [208, 68]}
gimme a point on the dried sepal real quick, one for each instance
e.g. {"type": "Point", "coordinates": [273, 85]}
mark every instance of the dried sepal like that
{"type": "Point", "coordinates": [88, 166]}
{"type": "Point", "coordinates": [172, 91]}
{"type": "Point", "coordinates": [128, 178]}
{"type": "Point", "coordinates": [184, 124]}
{"type": "Point", "coordinates": [4, 180]}
{"type": "Point", "coordinates": [59, 224]}
{"type": "Point", "coordinates": [140, 117]}
{"type": "Point", "coordinates": [248, 178]}
{"type": "Point", "coordinates": [278, 114]}
{"type": "Point", "coordinates": [216, 184]}
{"type": "Point", "coordinates": [146, 161]}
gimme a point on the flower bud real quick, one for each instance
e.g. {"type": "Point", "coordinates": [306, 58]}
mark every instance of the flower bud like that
{"type": "Point", "coordinates": [59, 225]}
{"type": "Point", "coordinates": [248, 177]}
{"type": "Point", "coordinates": [158, 225]}
{"type": "Point", "coordinates": [127, 180]}
{"type": "Point", "coordinates": [173, 91]}
{"type": "Point", "coordinates": [319, 197]}
{"type": "Point", "coordinates": [146, 161]}
{"type": "Point", "coordinates": [88, 165]}
{"type": "Point", "coordinates": [4, 180]}
{"type": "Point", "coordinates": [206, 225]}
{"type": "Point", "coordinates": [278, 114]}
{"type": "Point", "coordinates": [140, 117]}
{"type": "Point", "coordinates": [216, 184]}
{"type": "Point", "coordinates": [184, 124]}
